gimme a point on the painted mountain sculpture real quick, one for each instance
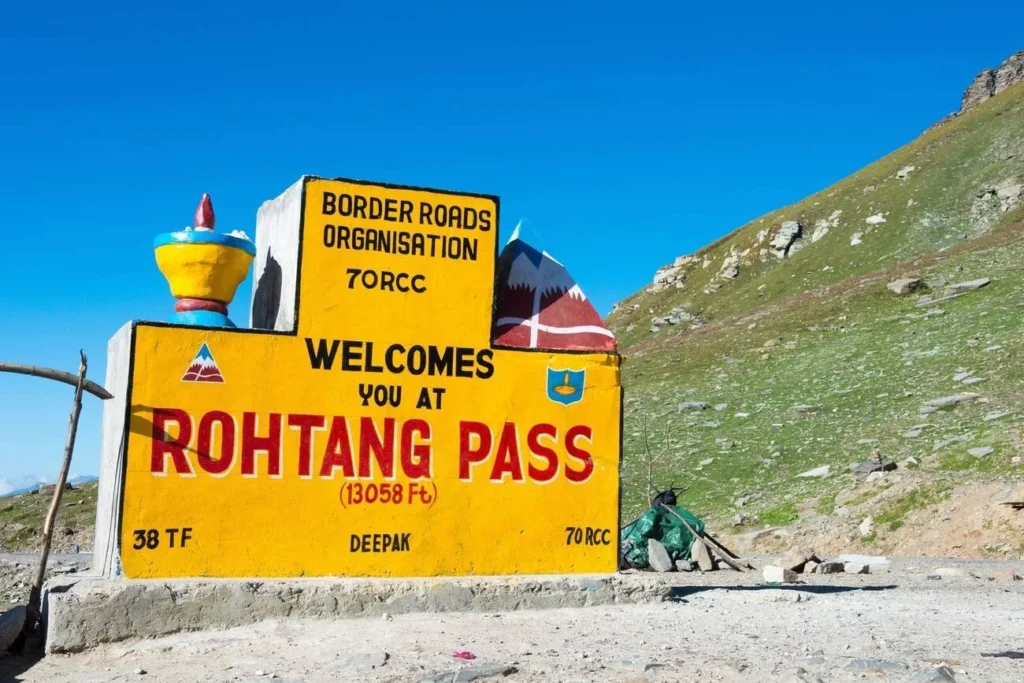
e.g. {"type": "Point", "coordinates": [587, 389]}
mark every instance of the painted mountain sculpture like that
{"type": "Point", "coordinates": [540, 306]}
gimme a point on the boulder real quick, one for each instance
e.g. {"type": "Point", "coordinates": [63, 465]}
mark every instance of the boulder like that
{"type": "Point", "coordinates": [699, 555]}
{"type": "Point", "coordinates": [668, 275]}
{"type": "Point", "coordinates": [1009, 73]}
{"type": "Point", "coordinates": [658, 557]}
{"type": "Point", "coordinates": [692, 406]}
{"type": "Point", "coordinates": [795, 559]}
{"type": "Point", "coordinates": [905, 285]}
{"type": "Point", "coordinates": [855, 568]}
{"type": "Point", "coordinates": [981, 88]}
{"type": "Point", "coordinates": [787, 233]}
{"type": "Point", "coordinates": [1009, 195]}
{"type": "Point", "coordinates": [969, 285]}
{"type": "Point", "coordinates": [730, 271]}
{"type": "Point", "coordinates": [773, 574]}
{"type": "Point", "coordinates": [981, 451]}
{"type": "Point", "coordinates": [11, 623]}
{"type": "Point", "coordinates": [831, 568]}
{"type": "Point", "coordinates": [816, 473]}
{"type": "Point", "coordinates": [950, 401]}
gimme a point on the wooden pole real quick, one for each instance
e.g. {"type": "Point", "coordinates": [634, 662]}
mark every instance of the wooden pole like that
{"type": "Point", "coordinates": [721, 547]}
{"type": "Point", "coordinates": [58, 375]}
{"type": "Point", "coordinates": [33, 612]}
{"type": "Point", "coordinates": [699, 539]}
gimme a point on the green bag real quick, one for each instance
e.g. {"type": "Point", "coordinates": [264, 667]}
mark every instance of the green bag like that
{"type": "Point", "coordinates": [659, 524]}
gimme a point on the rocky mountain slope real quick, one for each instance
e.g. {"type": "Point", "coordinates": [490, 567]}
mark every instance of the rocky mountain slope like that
{"type": "Point", "coordinates": [782, 350]}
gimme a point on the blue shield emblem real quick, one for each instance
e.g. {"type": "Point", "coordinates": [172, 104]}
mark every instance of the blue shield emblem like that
{"type": "Point", "coordinates": [566, 386]}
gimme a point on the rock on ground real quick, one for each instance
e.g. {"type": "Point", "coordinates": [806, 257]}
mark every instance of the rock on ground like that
{"type": "Point", "coordinates": [11, 622]}
{"type": "Point", "coordinates": [773, 574]}
{"type": "Point", "coordinates": [784, 238]}
{"type": "Point", "coordinates": [700, 556]}
{"type": "Point", "coordinates": [905, 285]}
{"type": "Point", "coordinates": [949, 401]}
{"type": "Point", "coordinates": [817, 472]}
{"type": "Point", "coordinates": [942, 674]}
{"type": "Point", "coordinates": [795, 559]}
{"type": "Point", "coordinates": [658, 557]}
{"type": "Point", "coordinates": [969, 285]}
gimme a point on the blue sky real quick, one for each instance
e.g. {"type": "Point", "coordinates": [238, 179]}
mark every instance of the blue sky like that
{"type": "Point", "coordinates": [625, 134]}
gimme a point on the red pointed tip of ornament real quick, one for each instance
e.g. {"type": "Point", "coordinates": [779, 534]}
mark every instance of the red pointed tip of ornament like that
{"type": "Point", "coordinates": [204, 217]}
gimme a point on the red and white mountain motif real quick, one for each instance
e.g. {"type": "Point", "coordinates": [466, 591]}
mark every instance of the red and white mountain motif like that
{"type": "Point", "coordinates": [540, 306]}
{"type": "Point", "coordinates": [203, 368]}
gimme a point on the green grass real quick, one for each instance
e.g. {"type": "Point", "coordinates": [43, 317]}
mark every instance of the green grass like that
{"type": "Point", "coordinates": [826, 504]}
{"type": "Point", "coordinates": [780, 516]}
{"type": "Point", "coordinates": [865, 357]}
{"type": "Point", "coordinates": [894, 514]}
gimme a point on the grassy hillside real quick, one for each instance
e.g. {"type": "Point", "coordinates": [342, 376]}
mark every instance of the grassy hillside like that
{"type": "Point", "coordinates": [808, 360]}
{"type": "Point", "coordinates": [22, 516]}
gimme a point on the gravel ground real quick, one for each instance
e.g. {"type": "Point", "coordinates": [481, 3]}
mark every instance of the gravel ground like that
{"type": "Point", "coordinates": [18, 571]}
{"type": "Point", "coordinates": [902, 624]}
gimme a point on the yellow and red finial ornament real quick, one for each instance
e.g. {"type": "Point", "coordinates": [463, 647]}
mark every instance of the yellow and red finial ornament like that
{"type": "Point", "coordinates": [203, 268]}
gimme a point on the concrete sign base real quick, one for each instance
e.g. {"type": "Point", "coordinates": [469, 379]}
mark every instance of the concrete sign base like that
{"type": "Point", "coordinates": [81, 614]}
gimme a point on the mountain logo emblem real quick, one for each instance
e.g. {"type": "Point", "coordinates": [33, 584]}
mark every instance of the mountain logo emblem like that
{"type": "Point", "coordinates": [203, 368]}
{"type": "Point", "coordinates": [566, 386]}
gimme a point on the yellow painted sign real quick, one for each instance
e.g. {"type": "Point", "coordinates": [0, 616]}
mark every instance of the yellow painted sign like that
{"type": "Point", "coordinates": [385, 436]}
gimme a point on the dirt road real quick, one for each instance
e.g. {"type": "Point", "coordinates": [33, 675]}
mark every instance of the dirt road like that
{"type": "Point", "coordinates": [900, 625]}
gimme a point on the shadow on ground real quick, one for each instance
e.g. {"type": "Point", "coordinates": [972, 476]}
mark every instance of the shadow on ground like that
{"type": "Point", "coordinates": [680, 593]}
{"type": "Point", "coordinates": [12, 666]}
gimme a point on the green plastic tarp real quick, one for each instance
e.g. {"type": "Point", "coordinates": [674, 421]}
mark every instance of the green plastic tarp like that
{"type": "Point", "coordinates": [661, 525]}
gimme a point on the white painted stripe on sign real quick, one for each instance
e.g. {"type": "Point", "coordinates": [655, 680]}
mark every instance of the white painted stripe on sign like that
{"type": "Point", "coordinates": [579, 329]}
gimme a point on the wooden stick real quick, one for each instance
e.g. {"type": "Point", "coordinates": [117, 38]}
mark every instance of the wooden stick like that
{"type": "Point", "coordinates": [721, 547]}
{"type": "Point", "coordinates": [58, 375]}
{"type": "Point", "coordinates": [33, 611]}
{"type": "Point", "coordinates": [725, 558]}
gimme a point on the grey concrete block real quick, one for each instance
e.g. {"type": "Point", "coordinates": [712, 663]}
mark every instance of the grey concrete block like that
{"type": "Point", "coordinates": [83, 613]}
